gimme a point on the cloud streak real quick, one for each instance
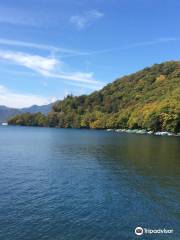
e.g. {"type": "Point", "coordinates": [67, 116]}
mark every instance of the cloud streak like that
{"type": "Point", "coordinates": [129, 46]}
{"type": "Point", "coordinates": [134, 45]}
{"type": "Point", "coordinates": [48, 67]}
{"type": "Point", "coordinates": [52, 67]}
{"type": "Point", "coordinates": [85, 19]}
{"type": "Point", "coordinates": [33, 62]}
{"type": "Point", "coordinates": [125, 47]}
{"type": "Point", "coordinates": [50, 48]}
{"type": "Point", "coordinates": [27, 44]}
{"type": "Point", "coordinates": [73, 53]}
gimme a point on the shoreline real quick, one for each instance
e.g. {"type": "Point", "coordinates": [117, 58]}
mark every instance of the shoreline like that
{"type": "Point", "coordinates": [132, 131]}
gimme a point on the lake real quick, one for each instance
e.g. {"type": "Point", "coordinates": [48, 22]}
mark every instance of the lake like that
{"type": "Point", "coordinates": [69, 184]}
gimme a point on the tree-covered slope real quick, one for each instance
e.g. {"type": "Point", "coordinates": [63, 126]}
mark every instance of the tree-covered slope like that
{"type": "Point", "coordinates": [147, 99]}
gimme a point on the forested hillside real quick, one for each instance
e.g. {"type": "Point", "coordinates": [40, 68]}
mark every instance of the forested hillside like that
{"type": "Point", "coordinates": [148, 99]}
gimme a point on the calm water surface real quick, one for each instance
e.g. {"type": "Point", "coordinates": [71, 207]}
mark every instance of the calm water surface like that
{"type": "Point", "coordinates": [60, 184]}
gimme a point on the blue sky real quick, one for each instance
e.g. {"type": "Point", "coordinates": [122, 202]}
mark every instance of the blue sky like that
{"type": "Point", "coordinates": [51, 48]}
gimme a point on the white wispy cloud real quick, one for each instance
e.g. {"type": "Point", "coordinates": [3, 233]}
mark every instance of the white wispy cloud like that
{"type": "Point", "coordinates": [46, 66]}
{"type": "Point", "coordinates": [85, 19]}
{"type": "Point", "coordinates": [67, 53]}
{"type": "Point", "coordinates": [52, 67]}
{"type": "Point", "coordinates": [37, 63]}
{"type": "Point", "coordinates": [10, 42]}
{"type": "Point", "coordinates": [83, 77]}
{"type": "Point", "coordinates": [13, 99]}
{"type": "Point", "coordinates": [51, 48]}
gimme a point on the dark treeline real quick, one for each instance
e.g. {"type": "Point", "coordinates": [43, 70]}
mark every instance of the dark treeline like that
{"type": "Point", "coordinates": [148, 99]}
{"type": "Point", "coordinates": [29, 119]}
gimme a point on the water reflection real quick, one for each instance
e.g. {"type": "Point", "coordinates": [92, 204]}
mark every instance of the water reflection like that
{"type": "Point", "coordinates": [80, 184]}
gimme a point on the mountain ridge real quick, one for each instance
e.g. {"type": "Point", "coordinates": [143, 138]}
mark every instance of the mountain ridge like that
{"type": "Point", "coordinates": [8, 112]}
{"type": "Point", "coordinates": [148, 99]}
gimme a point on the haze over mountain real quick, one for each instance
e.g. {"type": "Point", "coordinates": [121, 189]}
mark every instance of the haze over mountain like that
{"type": "Point", "coordinates": [6, 112]}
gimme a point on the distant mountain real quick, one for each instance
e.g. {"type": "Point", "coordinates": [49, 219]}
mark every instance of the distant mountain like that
{"type": "Point", "coordinates": [45, 109]}
{"type": "Point", "coordinates": [6, 112]}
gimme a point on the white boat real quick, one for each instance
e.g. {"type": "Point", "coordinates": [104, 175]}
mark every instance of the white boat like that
{"type": "Point", "coordinates": [4, 124]}
{"type": "Point", "coordinates": [163, 133]}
